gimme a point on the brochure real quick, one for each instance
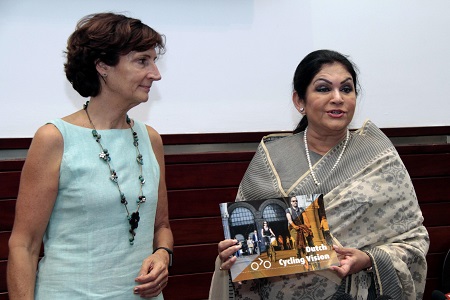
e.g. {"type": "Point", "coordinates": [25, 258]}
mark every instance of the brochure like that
{"type": "Point", "coordinates": [278, 236]}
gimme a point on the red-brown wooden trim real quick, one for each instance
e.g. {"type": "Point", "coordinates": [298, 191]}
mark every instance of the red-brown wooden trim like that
{"type": "Point", "coordinates": [242, 137]}
{"type": "Point", "coordinates": [15, 143]}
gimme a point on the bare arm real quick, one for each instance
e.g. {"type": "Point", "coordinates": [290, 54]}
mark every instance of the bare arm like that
{"type": "Point", "coordinates": [163, 233]}
{"type": "Point", "coordinates": [289, 219]}
{"type": "Point", "coordinates": [306, 220]}
{"type": "Point", "coordinates": [153, 275]}
{"type": "Point", "coordinates": [271, 231]}
{"type": "Point", "coordinates": [37, 194]}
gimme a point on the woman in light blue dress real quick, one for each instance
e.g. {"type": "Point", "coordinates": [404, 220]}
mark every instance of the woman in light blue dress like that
{"type": "Point", "coordinates": [93, 184]}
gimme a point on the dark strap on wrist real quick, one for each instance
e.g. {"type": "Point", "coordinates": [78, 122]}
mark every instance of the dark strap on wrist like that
{"type": "Point", "coordinates": [168, 251]}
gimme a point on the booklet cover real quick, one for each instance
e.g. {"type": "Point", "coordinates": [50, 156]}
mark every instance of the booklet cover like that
{"type": "Point", "coordinates": [278, 236]}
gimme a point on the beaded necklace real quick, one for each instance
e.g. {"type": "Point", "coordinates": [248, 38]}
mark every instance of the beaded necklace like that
{"type": "Point", "coordinates": [309, 158]}
{"type": "Point", "coordinates": [133, 218]}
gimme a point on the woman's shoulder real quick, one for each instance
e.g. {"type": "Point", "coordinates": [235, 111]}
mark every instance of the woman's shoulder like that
{"type": "Point", "coordinates": [283, 141]}
{"type": "Point", "coordinates": [48, 134]}
{"type": "Point", "coordinates": [370, 131]}
{"type": "Point", "coordinates": [274, 137]}
{"type": "Point", "coordinates": [47, 142]}
{"type": "Point", "coordinates": [155, 137]}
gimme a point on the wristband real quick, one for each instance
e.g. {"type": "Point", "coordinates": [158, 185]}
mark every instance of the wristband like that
{"type": "Point", "coordinates": [168, 251]}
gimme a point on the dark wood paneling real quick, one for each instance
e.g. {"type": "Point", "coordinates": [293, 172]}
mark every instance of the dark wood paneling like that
{"type": "Point", "coordinates": [4, 237]}
{"type": "Point", "coordinates": [423, 149]}
{"type": "Point", "coordinates": [432, 189]}
{"type": "Point", "coordinates": [213, 138]}
{"type": "Point", "coordinates": [436, 214]}
{"type": "Point", "coordinates": [188, 287]}
{"type": "Point", "coordinates": [3, 287]}
{"type": "Point", "coordinates": [11, 165]}
{"type": "Point", "coordinates": [7, 211]}
{"type": "Point", "coordinates": [213, 175]}
{"type": "Point", "coordinates": [424, 165]}
{"type": "Point", "coordinates": [241, 137]}
{"type": "Point", "coordinates": [416, 131]}
{"type": "Point", "coordinates": [198, 202]}
{"type": "Point", "coordinates": [439, 239]}
{"type": "Point", "coordinates": [431, 285]}
{"type": "Point", "coordinates": [194, 259]}
{"type": "Point", "coordinates": [15, 143]}
{"type": "Point", "coordinates": [209, 157]}
{"type": "Point", "coordinates": [435, 261]}
{"type": "Point", "coordinates": [194, 231]}
{"type": "Point", "coordinates": [9, 184]}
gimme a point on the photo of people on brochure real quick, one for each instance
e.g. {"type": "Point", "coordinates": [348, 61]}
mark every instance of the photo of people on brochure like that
{"type": "Point", "coordinates": [278, 236]}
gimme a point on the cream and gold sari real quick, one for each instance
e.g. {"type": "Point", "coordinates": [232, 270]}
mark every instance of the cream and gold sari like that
{"type": "Point", "coordinates": [370, 203]}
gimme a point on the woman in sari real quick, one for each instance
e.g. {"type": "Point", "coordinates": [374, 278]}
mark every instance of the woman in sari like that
{"type": "Point", "coordinates": [371, 206]}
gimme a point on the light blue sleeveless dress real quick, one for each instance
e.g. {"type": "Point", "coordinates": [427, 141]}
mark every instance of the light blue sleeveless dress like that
{"type": "Point", "coordinates": [87, 250]}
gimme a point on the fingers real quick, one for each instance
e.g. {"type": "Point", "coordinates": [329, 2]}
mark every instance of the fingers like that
{"type": "Point", "coordinates": [351, 261]}
{"type": "Point", "coordinates": [226, 250]}
{"type": "Point", "coordinates": [146, 268]}
{"type": "Point", "coordinates": [226, 244]}
{"type": "Point", "coordinates": [152, 289]}
{"type": "Point", "coordinates": [153, 277]}
{"type": "Point", "coordinates": [226, 265]}
{"type": "Point", "coordinates": [339, 271]}
{"type": "Point", "coordinates": [151, 284]}
{"type": "Point", "coordinates": [343, 251]}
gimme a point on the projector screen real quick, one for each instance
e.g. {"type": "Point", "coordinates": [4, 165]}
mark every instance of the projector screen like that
{"type": "Point", "coordinates": [229, 63]}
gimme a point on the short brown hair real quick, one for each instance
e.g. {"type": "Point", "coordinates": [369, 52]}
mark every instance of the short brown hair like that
{"type": "Point", "coordinates": [105, 37]}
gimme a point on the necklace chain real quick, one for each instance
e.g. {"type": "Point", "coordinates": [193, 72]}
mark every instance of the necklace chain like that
{"type": "Point", "coordinates": [133, 218]}
{"type": "Point", "coordinates": [308, 157]}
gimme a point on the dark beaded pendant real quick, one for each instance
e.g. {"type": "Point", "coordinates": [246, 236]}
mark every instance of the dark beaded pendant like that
{"type": "Point", "coordinates": [133, 218]}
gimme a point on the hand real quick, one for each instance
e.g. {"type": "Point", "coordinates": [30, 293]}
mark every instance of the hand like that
{"type": "Point", "coordinates": [352, 261]}
{"type": "Point", "coordinates": [226, 249]}
{"type": "Point", "coordinates": [154, 275]}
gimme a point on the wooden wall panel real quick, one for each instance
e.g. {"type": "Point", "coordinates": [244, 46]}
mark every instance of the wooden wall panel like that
{"type": "Point", "coordinates": [199, 230]}
{"type": "Point", "coordinates": [7, 211]}
{"type": "Point", "coordinates": [214, 175]}
{"type": "Point", "coordinates": [426, 165]}
{"type": "Point", "coordinates": [188, 287]}
{"type": "Point", "coordinates": [198, 182]}
{"type": "Point", "coordinates": [198, 202]}
{"type": "Point", "coordinates": [9, 186]}
{"type": "Point", "coordinates": [436, 214]}
{"type": "Point", "coordinates": [432, 189]}
{"type": "Point", "coordinates": [194, 259]}
{"type": "Point", "coordinates": [439, 239]}
{"type": "Point", "coordinates": [3, 276]}
{"type": "Point", "coordinates": [11, 165]}
{"type": "Point", "coordinates": [4, 237]}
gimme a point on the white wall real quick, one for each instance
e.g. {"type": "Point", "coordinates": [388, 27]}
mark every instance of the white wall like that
{"type": "Point", "coordinates": [229, 63]}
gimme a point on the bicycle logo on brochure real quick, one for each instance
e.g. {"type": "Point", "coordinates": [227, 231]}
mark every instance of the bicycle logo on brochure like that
{"type": "Point", "coordinates": [265, 263]}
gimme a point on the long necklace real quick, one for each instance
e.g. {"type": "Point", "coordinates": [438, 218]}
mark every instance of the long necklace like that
{"type": "Point", "coordinates": [133, 218]}
{"type": "Point", "coordinates": [309, 158]}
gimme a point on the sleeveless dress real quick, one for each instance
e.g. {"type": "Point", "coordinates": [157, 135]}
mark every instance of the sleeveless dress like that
{"type": "Point", "coordinates": [86, 244]}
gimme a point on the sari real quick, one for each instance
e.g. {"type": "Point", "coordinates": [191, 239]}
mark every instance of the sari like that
{"type": "Point", "coordinates": [370, 204]}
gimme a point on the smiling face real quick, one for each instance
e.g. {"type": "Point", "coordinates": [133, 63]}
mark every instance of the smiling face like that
{"type": "Point", "coordinates": [132, 78]}
{"type": "Point", "coordinates": [330, 100]}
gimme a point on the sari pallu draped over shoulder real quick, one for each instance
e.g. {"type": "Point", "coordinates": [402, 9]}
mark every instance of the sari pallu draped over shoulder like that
{"type": "Point", "coordinates": [370, 204]}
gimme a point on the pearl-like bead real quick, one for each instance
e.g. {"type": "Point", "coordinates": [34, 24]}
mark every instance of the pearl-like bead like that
{"type": "Point", "coordinates": [308, 157]}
